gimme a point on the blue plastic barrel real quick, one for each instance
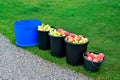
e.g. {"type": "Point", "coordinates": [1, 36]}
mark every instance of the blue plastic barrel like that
{"type": "Point", "coordinates": [26, 32]}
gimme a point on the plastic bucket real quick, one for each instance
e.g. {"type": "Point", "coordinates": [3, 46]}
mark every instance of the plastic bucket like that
{"type": "Point", "coordinates": [43, 40]}
{"type": "Point", "coordinates": [91, 66]}
{"type": "Point", "coordinates": [57, 46]}
{"type": "Point", "coordinates": [74, 53]}
{"type": "Point", "coordinates": [26, 33]}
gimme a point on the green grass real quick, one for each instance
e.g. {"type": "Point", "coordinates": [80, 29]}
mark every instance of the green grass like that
{"type": "Point", "coordinates": [99, 20]}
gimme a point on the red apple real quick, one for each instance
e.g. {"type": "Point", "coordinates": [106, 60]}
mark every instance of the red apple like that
{"type": "Point", "coordinates": [100, 58]}
{"type": "Point", "coordinates": [95, 60]}
{"type": "Point", "coordinates": [95, 56]}
{"type": "Point", "coordinates": [79, 38]}
{"type": "Point", "coordinates": [69, 39]}
{"type": "Point", "coordinates": [87, 53]}
{"type": "Point", "coordinates": [72, 35]}
{"type": "Point", "coordinates": [102, 55]}
{"type": "Point", "coordinates": [62, 32]}
{"type": "Point", "coordinates": [92, 55]}
{"type": "Point", "coordinates": [66, 33]}
{"type": "Point", "coordinates": [59, 30]}
{"type": "Point", "coordinates": [89, 58]}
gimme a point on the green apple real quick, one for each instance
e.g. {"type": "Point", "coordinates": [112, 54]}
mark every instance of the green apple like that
{"type": "Point", "coordinates": [44, 27]}
{"type": "Point", "coordinates": [59, 32]}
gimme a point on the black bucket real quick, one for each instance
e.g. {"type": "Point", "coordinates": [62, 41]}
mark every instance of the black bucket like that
{"type": "Point", "coordinates": [91, 66]}
{"type": "Point", "coordinates": [74, 53]}
{"type": "Point", "coordinates": [43, 40]}
{"type": "Point", "coordinates": [57, 46]}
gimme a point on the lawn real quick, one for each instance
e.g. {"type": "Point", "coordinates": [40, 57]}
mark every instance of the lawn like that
{"type": "Point", "coordinates": [99, 20]}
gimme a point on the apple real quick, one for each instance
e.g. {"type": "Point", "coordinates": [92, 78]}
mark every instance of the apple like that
{"type": "Point", "coordinates": [87, 53]}
{"type": "Point", "coordinates": [66, 33]}
{"type": "Point", "coordinates": [101, 54]}
{"type": "Point", "coordinates": [62, 32]}
{"type": "Point", "coordinates": [89, 58]}
{"type": "Point", "coordinates": [72, 35]}
{"type": "Point", "coordinates": [44, 27]}
{"type": "Point", "coordinates": [92, 55]}
{"type": "Point", "coordinates": [95, 60]}
{"type": "Point", "coordinates": [100, 58]}
{"type": "Point", "coordinates": [84, 40]}
{"type": "Point", "coordinates": [60, 29]}
{"type": "Point", "coordinates": [58, 32]}
{"type": "Point", "coordinates": [95, 57]}
{"type": "Point", "coordinates": [69, 39]}
{"type": "Point", "coordinates": [79, 38]}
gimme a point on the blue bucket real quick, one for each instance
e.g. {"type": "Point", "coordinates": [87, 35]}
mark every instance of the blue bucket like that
{"type": "Point", "coordinates": [26, 33]}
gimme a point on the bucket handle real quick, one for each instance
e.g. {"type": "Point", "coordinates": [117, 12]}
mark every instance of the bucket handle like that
{"type": "Point", "coordinates": [28, 27]}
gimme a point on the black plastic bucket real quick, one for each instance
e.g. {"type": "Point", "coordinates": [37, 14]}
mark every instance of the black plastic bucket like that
{"type": "Point", "coordinates": [74, 53]}
{"type": "Point", "coordinates": [43, 40]}
{"type": "Point", "coordinates": [57, 46]}
{"type": "Point", "coordinates": [91, 66]}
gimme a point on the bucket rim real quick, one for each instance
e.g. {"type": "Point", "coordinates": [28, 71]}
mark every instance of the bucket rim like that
{"type": "Point", "coordinates": [42, 31]}
{"type": "Point", "coordinates": [22, 21]}
{"type": "Point", "coordinates": [73, 43]}
{"type": "Point", "coordinates": [45, 31]}
{"type": "Point", "coordinates": [56, 36]}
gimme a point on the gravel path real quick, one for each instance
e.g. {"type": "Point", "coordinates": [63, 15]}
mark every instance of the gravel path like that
{"type": "Point", "coordinates": [18, 64]}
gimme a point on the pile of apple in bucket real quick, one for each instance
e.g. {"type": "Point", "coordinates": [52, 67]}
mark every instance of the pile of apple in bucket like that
{"type": "Point", "coordinates": [93, 60]}
{"type": "Point", "coordinates": [63, 43]}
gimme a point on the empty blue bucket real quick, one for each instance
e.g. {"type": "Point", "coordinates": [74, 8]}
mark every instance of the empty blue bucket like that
{"type": "Point", "coordinates": [26, 32]}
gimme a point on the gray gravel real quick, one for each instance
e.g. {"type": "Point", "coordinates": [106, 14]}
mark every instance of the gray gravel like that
{"type": "Point", "coordinates": [19, 64]}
